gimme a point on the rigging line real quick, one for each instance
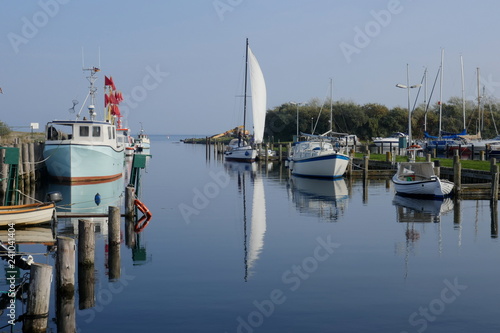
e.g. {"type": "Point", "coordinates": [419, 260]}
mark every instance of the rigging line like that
{"type": "Point", "coordinates": [320, 110]}
{"type": "Point", "coordinates": [27, 196]}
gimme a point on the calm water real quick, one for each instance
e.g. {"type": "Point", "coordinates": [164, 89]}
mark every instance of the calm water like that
{"type": "Point", "coordinates": [244, 248]}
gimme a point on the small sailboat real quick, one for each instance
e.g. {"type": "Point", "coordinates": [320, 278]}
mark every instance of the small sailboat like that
{"type": "Point", "coordinates": [85, 150]}
{"type": "Point", "coordinates": [240, 149]}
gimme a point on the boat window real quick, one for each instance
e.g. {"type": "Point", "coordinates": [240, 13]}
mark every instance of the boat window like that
{"type": "Point", "coordinates": [96, 131]}
{"type": "Point", "coordinates": [114, 133]}
{"type": "Point", "coordinates": [59, 132]}
{"type": "Point", "coordinates": [109, 132]}
{"type": "Point", "coordinates": [84, 131]}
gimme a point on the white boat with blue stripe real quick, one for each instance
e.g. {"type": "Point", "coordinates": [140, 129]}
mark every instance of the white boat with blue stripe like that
{"type": "Point", "coordinates": [318, 157]}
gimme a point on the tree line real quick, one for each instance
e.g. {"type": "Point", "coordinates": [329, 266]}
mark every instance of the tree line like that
{"type": "Point", "coordinates": [376, 120]}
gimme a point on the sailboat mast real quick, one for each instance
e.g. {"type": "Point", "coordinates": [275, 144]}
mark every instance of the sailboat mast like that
{"type": "Point", "coordinates": [479, 101]}
{"type": "Point", "coordinates": [331, 105]}
{"type": "Point", "coordinates": [441, 92]}
{"type": "Point", "coordinates": [463, 88]}
{"type": "Point", "coordinates": [245, 94]}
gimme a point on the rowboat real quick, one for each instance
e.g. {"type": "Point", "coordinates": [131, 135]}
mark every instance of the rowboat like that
{"type": "Point", "coordinates": [30, 214]}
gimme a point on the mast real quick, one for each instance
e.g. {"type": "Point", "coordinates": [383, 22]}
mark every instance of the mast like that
{"type": "Point", "coordinates": [92, 90]}
{"type": "Point", "coordinates": [479, 101]}
{"type": "Point", "coordinates": [441, 92]}
{"type": "Point", "coordinates": [463, 87]}
{"type": "Point", "coordinates": [331, 105]}
{"type": "Point", "coordinates": [245, 94]}
{"type": "Point", "coordinates": [425, 99]}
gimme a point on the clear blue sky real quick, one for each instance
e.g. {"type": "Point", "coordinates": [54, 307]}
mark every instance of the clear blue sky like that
{"type": "Point", "coordinates": [180, 62]}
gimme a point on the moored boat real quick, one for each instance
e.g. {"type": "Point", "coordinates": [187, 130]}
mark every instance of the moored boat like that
{"type": "Point", "coordinates": [29, 214]}
{"type": "Point", "coordinates": [419, 179]}
{"type": "Point", "coordinates": [317, 157]}
{"type": "Point", "coordinates": [239, 149]}
{"type": "Point", "coordinates": [87, 150]}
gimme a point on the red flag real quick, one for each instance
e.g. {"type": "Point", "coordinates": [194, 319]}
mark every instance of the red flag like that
{"type": "Point", "coordinates": [116, 111]}
{"type": "Point", "coordinates": [112, 99]}
{"type": "Point", "coordinates": [107, 81]}
{"type": "Point", "coordinates": [112, 83]}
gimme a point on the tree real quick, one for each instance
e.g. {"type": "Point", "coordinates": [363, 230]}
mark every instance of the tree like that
{"type": "Point", "coordinates": [4, 129]}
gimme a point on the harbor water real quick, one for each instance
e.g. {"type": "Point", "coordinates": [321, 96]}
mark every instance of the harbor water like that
{"type": "Point", "coordinates": [235, 247]}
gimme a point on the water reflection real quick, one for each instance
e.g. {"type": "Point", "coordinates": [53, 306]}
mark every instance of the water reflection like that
{"type": "Point", "coordinates": [81, 201]}
{"type": "Point", "coordinates": [420, 210]}
{"type": "Point", "coordinates": [326, 199]}
{"type": "Point", "coordinates": [249, 179]}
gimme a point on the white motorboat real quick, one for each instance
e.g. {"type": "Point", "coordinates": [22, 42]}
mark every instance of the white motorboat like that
{"type": "Point", "coordinates": [419, 179]}
{"type": "Point", "coordinates": [391, 141]}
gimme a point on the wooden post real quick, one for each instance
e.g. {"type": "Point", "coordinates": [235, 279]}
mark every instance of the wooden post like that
{"type": "Point", "coordinates": [366, 158]}
{"type": "Point", "coordinates": [65, 284]}
{"type": "Point", "coordinates": [130, 235]}
{"type": "Point", "coordinates": [113, 225]}
{"type": "Point", "coordinates": [86, 243]}
{"type": "Point", "coordinates": [37, 310]}
{"type": "Point", "coordinates": [428, 157]}
{"type": "Point", "coordinates": [266, 147]}
{"type": "Point", "coordinates": [494, 182]}
{"type": "Point", "coordinates": [86, 255]}
{"type": "Point", "coordinates": [280, 154]}
{"type": "Point", "coordinates": [481, 155]}
{"type": "Point", "coordinates": [114, 261]}
{"type": "Point", "coordinates": [129, 201]}
{"type": "Point", "coordinates": [457, 174]}
{"type": "Point", "coordinates": [388, 157]}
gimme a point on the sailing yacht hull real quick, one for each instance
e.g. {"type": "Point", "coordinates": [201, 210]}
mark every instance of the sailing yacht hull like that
{"type": "Point", "coordinates": [241, 154]}
{"type": "Point", "coordinates": [323, 166]}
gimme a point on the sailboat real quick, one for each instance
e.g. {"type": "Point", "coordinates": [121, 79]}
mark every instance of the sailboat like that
{"type": "Point", "coordinates": [85, 150]}
{"type": "Point", "coordinates": [240, 149]}
{"type": "Point", "coordinates": [319, 156]}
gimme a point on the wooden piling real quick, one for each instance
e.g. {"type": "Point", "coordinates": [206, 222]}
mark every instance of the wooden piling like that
{"type": "Point", "coordinates": [37, 310]}
{"type": "Point", "coordinates": [86, 243]}
{"type": "Point", "coordinates": [65, 284]}
{"type": "Point", "coordinates": [388, 156]}
{"type": "Point", "coordinates": [457, 174]}
{"type": "Point", "coordinates": [129, 201]}
{"type": "Point", "coordinates": [494, 182]}
{"type": "Point", "coordinates": [86, 257]}
{"type": "Point", "coordinates": [114, 261]}
{"type": "Point", "coordinates": [65, 266]}
{"type": "Point", "coordinates": [32, 160]}
{"type": "Point", "coordinates": [113, 225]}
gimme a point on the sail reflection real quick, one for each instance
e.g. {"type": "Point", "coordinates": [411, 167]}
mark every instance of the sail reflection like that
{"type": "Point", "coordinates": [324, 198]}
{"type": "Point", "coordinates": [248, 179]}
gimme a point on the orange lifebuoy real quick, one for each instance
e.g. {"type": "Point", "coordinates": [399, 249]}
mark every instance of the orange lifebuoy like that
{"type": "Point", "coordinates": [142, 223]}
{"type": "Point", "coordinates": [144, 220]}
{"type": "Point", "coordinates": [414, 147]}
{"type": "Point", "coordinates": [142, 208]}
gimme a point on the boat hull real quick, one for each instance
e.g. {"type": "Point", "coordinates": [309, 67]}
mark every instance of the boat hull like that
{"type": "Point", "coordinates": [241, 155]}
{"type": "Point", "coordinates": [434, 187]}
{"type": "Point", "coordinates": [322, 166]}
{"type": "Point", "coordinates": [83, 163]}
{"type": "Point", "coordinates": [27, 214]}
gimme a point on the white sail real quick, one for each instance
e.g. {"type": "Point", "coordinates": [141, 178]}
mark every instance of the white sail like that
{"type": "Point", "coordinates": [259, 98]}
{"type": "Point", "coordinates": [258, 228]}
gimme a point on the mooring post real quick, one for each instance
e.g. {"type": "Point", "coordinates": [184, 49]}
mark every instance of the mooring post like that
{"type": "Point", "coordinates": [266, 147]}
{"type": "Point", "coordinates": [494, 182]}
{"type": "Point", "coordinates": [113, 225]}
{"type": "Point", "coordinates": [86, 255]}
{"type": "Point", "coordinates": [65, 284]}
{"type": "Point", "coordinates": [37, 310]}
{"type": "Point", "coordinates": [366, 158]}
{"type": "Point", "coordinates": [457, 174]}
{"type": "Point", "coordinates": [129, 200]}
{"type": "Point", "coordinates": [388, 157]}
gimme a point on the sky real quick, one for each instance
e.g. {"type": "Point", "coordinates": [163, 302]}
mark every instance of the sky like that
{"type": "Point", "coordinates": [179, 63]}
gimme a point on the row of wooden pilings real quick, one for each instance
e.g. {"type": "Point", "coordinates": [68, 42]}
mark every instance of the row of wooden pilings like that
{"type": "Point", "coordinates": [37, 311]}
{"type": "Point", "coordinates": [216, 149]}
{"type": "Point", "coordinates": [30, 161]}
